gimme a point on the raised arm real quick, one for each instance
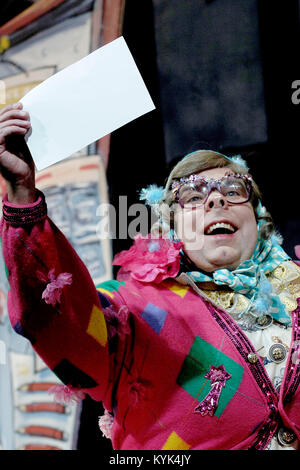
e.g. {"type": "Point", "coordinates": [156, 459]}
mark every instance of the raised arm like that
{"type": "Point", "coordinates": [52, 299]}
{"type": "Point", "coordinates": [16, 163]}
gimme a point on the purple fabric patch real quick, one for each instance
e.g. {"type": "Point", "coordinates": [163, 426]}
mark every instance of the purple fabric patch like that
{"type": "Point", "coordinates": [154, 316]}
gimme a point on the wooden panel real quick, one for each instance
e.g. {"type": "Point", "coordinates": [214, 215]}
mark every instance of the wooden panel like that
{"type": "Point", "coordinates": [112, 22]}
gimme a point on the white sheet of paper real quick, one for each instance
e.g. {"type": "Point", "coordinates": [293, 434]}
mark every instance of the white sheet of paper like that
{"type": "Point", "coordinates": [84, 102]}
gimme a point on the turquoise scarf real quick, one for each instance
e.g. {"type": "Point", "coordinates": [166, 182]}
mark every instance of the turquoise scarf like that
{"type": "Point", "coordinates": [249, 279]}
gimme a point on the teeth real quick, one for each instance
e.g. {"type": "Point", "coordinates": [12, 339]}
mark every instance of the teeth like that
{"type": "Point", "coordinates": [220, 225]}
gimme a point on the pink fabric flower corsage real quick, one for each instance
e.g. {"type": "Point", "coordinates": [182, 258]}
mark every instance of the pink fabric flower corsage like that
{"type": "Point", "coordinates": [53, 291]}
{"type": "Point", "coordinates": [150, 259]}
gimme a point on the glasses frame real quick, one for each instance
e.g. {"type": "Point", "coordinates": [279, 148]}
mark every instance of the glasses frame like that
{"type": "Point", "coordinates": [211, 184]}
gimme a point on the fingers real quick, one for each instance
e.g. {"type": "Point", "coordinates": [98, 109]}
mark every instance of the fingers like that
{"type": "Point", "coordinates": [15, 159]}
{"type": "Point", "coordinates": [13, 120]}
{"type": "Point", "coordinates": [9, 130]}
{"type": "Point", "coordinates": [8, 114]}
{"type": "Point", "coordinates": [9, 107]}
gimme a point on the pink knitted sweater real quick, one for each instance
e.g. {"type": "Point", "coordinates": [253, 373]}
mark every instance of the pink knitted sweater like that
{"type": "Point", "coordinates": [172, 368]}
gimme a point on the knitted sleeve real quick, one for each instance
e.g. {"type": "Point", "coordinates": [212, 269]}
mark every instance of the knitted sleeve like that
{"type": "Point", "coordinates": [53, 302]}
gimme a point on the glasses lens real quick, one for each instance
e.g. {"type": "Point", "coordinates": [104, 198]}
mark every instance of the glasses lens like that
{"type": "Point", "coordinates": [235, 190]}
{"type": "Point", "coordinates": [193, 194]}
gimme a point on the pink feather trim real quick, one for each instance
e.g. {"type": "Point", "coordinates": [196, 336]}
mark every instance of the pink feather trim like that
{"type": "Point", "coordinates": [117, 321]}
{"type": "Point", "coordinates": [66, 394]}
{"type": "Point", "coordinates": [53, 291]}
{"type": "Point", "coordinates": [105, 424]}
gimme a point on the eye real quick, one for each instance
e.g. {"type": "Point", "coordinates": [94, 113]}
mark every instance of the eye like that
{"type": "Point", "coordinates": [193, 198]}
{"type": "Point", "coordinates": [193, 195]}
{"type": "Point", "coordinates": [234, 189]}
{"type": "Point", "coordinates": [232, 192]}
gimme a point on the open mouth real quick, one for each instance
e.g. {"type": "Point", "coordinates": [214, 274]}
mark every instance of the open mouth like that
{"type": "Point", "coordinates": [220, 228]}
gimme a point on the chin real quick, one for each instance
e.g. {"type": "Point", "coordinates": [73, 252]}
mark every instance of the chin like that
{"type": "Point", "coordinates": [226, 262]}
{"type": "Point", "coordinates": [211, 263]}
{"type": "Point", "coordinates": [225, 265]}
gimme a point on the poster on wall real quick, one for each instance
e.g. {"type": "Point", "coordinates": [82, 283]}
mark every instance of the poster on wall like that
{"type": "Point", "coordinates": [59, 45]}
{"type": "Point", "coordinates": [40, 423]}
{"type": "Point", "coordinates": [75, 191]}
{"type": "Point", "coordinates": [16, 86]}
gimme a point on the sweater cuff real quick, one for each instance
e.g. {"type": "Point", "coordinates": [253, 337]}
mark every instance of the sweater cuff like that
{"type": "Point", "coordinates": [18, 215]}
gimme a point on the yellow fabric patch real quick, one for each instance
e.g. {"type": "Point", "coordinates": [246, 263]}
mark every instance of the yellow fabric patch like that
{"type": "Point", "coordinates": [4, 43]}
{"type": "Point", "coordinates": [105, 292]}
{"type": "Point", "coordinates": [175, 442]}
{"type": "Point", "coordinates": [97, 326]}
{"type": "Point", "coordinates": [179, 289]}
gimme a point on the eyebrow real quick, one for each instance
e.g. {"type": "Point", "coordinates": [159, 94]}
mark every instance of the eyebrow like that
{"type": "Point", "coordinates": [186, 188]}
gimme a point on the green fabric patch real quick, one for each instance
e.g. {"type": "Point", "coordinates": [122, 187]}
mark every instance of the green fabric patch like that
{"type": "Point", "coordinates": [5, 267]}
{"type": "Point", "coordinates": [111, 285]}
{"type": "Point", "coordinates": [6, 270]}
{"type": "Point", "coordinates": [191, 376]}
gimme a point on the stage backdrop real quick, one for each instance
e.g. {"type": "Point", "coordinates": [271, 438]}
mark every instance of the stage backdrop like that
{"type": "Point", "coordinates": [210, 74]}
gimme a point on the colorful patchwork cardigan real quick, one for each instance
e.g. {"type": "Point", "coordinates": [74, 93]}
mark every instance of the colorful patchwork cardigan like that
{"type": "Point", "coordinates": [171, 367]}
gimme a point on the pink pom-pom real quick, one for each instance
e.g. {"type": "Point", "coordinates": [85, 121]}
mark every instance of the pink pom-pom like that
{"type": "Point", "coordinates": [139, 391]}
{"type": "Point", "coordinates": [65, 394]}
{"type": "Point", "coordinates": [297, 251]}
{"type": "Point", "coordinates": [53, 291]}
{"type": "Point", "coordinates": [117, 321]}
{"type": "Point", "coordinates": [105, 424]}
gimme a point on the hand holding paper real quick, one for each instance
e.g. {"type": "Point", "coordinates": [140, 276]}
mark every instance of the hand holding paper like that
{"type": "Point", "coordinates": [84, 102]}
{"type": "Point", "coordinates": [16, 164]}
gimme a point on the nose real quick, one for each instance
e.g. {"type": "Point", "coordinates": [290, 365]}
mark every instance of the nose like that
{"type": "Point", "coordinates": [216, 200]}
